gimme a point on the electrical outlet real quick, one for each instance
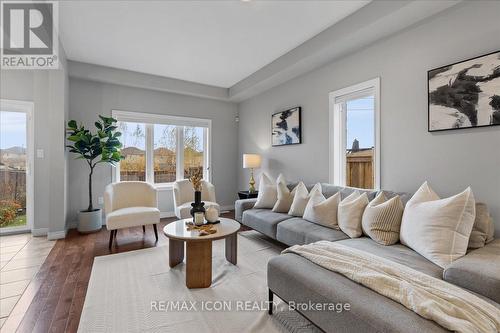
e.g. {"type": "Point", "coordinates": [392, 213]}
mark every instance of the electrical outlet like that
{"type": "Point", "coordinates": [39, 153]}
{"type": "Point", "coordinates": [101, 200]}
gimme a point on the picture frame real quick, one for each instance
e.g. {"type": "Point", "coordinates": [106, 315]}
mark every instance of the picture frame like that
{"type": "Point", "coordinates": [286, 127]}
{"type": "Point", "coordinates": [464, 94]}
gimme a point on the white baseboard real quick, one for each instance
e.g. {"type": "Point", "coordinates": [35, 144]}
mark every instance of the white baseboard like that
{"type": "Point", "coordinates": [40, 232]}
{"type": "Point", "coordinates": [52, 235]}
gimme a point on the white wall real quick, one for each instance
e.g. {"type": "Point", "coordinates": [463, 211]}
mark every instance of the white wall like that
{"type": "Point", "coordinates": [89, 99]}
{"type": "Point", "coordinates": [47, 89]}
{"type": "Point", "coordinates": [451, 160]}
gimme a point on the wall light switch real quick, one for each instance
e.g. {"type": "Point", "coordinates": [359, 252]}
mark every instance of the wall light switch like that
{"type": "Point", "coordinates": [100, 200]}
{"type": "Point", "coordinates": [39, 153]}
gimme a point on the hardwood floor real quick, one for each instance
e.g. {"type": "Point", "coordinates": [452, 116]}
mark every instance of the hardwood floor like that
{"type": "Point", "coordinates": [55, 298]}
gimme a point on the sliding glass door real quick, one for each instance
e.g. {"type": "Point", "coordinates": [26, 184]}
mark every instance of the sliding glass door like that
{"type": "Point", "coordinates": [15, 166]}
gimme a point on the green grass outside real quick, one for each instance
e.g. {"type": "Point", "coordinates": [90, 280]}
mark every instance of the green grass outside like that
{"type": "Point", "coordinates": [17, 222]}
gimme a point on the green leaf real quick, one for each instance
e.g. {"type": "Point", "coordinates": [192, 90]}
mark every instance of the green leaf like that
{"type": "Point", "coordinates": [74, 138]}
{"type": "Point", "coordinates": [98, 125]}
{"type": "Point", "coordinates": [72, 124]}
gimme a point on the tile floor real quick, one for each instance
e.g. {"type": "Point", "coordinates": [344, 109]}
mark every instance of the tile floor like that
{"type": "Point", "coordinates": [20, 259]}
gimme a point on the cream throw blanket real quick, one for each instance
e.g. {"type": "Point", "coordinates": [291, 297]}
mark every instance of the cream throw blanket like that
{"type": "Point", "coordinates": [446, 304]}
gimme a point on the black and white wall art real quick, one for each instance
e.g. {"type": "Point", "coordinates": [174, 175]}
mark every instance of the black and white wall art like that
{"type": "Point", "coordinates": [286, 127]}
{"type": "Point", "coordinates": [465, 94]}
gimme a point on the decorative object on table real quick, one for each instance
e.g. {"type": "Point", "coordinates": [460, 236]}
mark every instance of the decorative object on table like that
{"type": "Point", "coordinates": [286, 127]}
{"type": "Point", "coordinates": [212, 215]}
{"type": "Point", "coordinates": [203, 230]}
{"type": "Point", "coordinates": [197, 205]}
{"type": "Point", "coordinates": [199, 218]}
{"type": "Point", "coordinates": [251, 161]}
{"type": "Point", "coordinates": [95, 148]}
{"type": "Point", "coordinates": [247, 195]}
{"type": "Point", "coordinates": [465, 94]}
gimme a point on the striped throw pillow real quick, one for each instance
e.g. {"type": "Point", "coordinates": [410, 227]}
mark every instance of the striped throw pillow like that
{"type": "Point", "coordinates": [382, 219]}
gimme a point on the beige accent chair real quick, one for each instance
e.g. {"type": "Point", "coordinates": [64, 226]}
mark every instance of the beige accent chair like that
{"type": "Point", "coordinates": [184, 196]}
{"type": "Point", "coordinates": [130, 204]}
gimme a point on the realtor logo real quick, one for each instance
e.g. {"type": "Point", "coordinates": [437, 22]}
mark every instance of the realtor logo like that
{"type": "Point", "coordinates": [29, 39]}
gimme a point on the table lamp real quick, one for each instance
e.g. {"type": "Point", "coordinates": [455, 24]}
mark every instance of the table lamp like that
{"type": "Point", "coordinates": [251, 161]}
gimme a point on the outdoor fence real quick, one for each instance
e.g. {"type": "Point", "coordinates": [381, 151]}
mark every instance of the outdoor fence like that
{"type": "Point", "coordinates": [359, 169]}
{"type": "Point", "coordinates": [13, 186]}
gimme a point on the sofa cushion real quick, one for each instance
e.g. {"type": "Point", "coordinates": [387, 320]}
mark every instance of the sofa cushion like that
{"type": "Point", "coordinates": [481, 228]}
{"type": "Point", "coordinates": [478, 271]}
{"type": "Point", "coordinates": [241, 205]}
{"type": "Point", "coordinates": [318, 233]}
{"type": "Point", "coordinates": [322, 211]}
{"type": "Point", "coordinates": [301, 198]}
{"type": "Point", "coordinates": [132, 217]}
{"type": "Point", "coordinates": [350, 213]}
{"type": "Point", "coordinates": [397, 253]}
{"type": "Point", "coordinates": [404, 196]}
{"type": "Point", "coordinates": [294, 278]}
{"type": "Point", "coordinates": [285, 198]}
{"type": "Point", "coordinates": [329, 190]}
{"type": "Point", "coordinates": [382, 219]}
{"type": "Point", "coordinates": [268, 194]}
{"type": "Point", "coordinates": [297, 231]}
{"type": "Point", "coordinates": [438, 229]}
{"type": "Point", "coordinates": [263, 220]}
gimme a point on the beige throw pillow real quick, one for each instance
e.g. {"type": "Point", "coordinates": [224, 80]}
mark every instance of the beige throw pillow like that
{"type": "Point", "coordinates": [301, 198]}
{"type": "Point", "coordinates": [285, 197]}
{"type": "Point", "coordinates": [382, 219]}
{"type": "Point", "coordinates": [438, 229]}
{"type": "Point", "coordinates": [350, 212]}
{"type": "Point", "coordinates": [268, 194]}
{"type": "Point", "coordinates": [483, 225]}
{"type": "Point", "coordinates": [323, 211]}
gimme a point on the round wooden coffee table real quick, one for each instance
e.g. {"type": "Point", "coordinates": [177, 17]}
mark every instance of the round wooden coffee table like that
{"type": "Point", "coordinates": [199, 249]}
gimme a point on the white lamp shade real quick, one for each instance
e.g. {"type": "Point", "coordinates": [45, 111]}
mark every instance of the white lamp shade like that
{"type": "Point", "coordinates": [251, 161]}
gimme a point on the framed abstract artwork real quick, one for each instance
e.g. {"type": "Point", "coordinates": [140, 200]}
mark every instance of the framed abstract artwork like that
{"type": "Point", "coordinates": [465, 94]}
{"type": "Point", "coordinates": [286, 127]}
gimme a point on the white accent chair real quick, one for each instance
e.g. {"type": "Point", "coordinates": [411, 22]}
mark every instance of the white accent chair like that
{"type": "Point", "coordinates": [184, 196]}
{"type": "Point", "coordinates": [130, 204]}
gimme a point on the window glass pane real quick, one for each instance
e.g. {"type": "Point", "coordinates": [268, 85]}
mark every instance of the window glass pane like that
{"type": "Point", "coordinates": [193, 150]}
{"type": "Point", "coordinates": [12, 169]}
{"type": "Point", "coordinates": [360, 138]}
{"type": "Point", "coordinates": [164, 153]}
{"type": "Point", "coordinates": [133, 138]}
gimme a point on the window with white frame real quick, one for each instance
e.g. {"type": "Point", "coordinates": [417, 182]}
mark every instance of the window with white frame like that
{"type": "Point", "coordinates": [161, 149]}
{"type": "Point", "coordinates": [355, 135]}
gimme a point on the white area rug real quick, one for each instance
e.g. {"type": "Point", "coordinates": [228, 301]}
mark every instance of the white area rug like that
{"type": "Point", "coordinates": [123, 286]}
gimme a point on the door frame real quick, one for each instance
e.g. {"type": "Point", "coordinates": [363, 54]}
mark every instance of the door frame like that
{"type": "Point", "coordinates": [27, 107]}
{"type": "Point", "coordinates": [337, 138]}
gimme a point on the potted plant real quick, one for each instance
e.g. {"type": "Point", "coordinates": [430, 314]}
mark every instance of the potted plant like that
{"type": "Point", "coordinates": [95, 148]}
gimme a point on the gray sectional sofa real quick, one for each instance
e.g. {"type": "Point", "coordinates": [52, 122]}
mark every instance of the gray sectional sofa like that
{"type": "Point", "coordinates": [294, 278]}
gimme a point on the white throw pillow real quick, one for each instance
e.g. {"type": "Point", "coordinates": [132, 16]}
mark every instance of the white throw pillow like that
{"type": "Point", "coordinates": [438, 229]}
{"type": "Point", "coordinates": [285, 197]}
{"type": "Point", "coordinates": [382, 219]}
{"type": "Point", "coordinates": [268, 194]}
{"type": "Point", "coordinates": [323, 211]}
{"type": "Point", "coordinates": [350, 213]}
{"type": "Point", "coordinates": [301, 198]}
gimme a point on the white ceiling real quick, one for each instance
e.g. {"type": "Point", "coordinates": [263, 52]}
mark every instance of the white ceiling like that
{"type": "Point", "coordinates": [212, 42]}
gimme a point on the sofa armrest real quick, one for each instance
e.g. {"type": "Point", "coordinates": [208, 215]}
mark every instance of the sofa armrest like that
{"type": "Point", "coordinates": [241, 205]}
{"type": "Point", "coordinates": [478, 271]}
